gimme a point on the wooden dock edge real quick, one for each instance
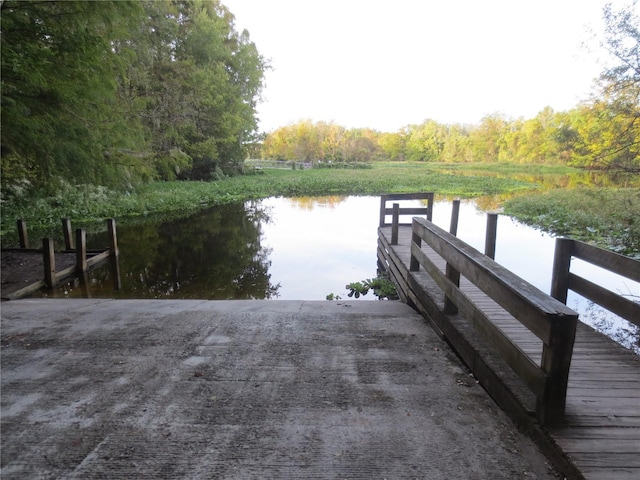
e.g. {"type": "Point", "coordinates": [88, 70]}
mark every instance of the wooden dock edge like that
{"type": "Point", "coordinates": [94, 260]}
{"type": "Point", "coordinates": [496, 377]}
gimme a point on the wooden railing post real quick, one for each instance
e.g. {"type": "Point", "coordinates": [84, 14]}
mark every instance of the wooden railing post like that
{"type": "Point", "coordinates": [395, 218]}
{"type": "Point", "coordinates": [113, 238]}
{"type": "Point", "coordinates": [556, 362]}
{"type": "Point", "coordinates": [115, 252]}
{"type": "Point", "coordinates": [452, 273]}
{"type": "Point", "coordinates": [430, 197]}
{"type": "Point", "coordinates": [49, 262]}
{"type": "Point", "coordinates": [490, 238]}
{"type": "Point", "coordinates": [66, 231]}
{"type": "Point", "coordinates": [81, 250]}
{"type": "Point", "coordinates": [561, 266]}
{"type": "Point", "coordinates": [22, 234]}
{"type": "Point", "coordinates": [383, 208]}
{"type": "Point", "coordinates": [414, 263]}
{"type": "Point", "coordinates": [455, 214]}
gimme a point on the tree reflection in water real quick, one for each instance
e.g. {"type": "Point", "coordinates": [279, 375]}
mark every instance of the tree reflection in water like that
{"type": "Point", "coordinates": [216, 254]}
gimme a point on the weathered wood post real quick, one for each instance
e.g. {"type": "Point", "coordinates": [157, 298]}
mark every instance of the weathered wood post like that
{"type": "Point", "coordinates": [22, 233]}
{"type": "Point", "coordinates": [556, 362]}
{"type": "Point", "coordinates": [49, 262]}
{"type": "Point", "coordinates": [113, 246]}
{"type": "Point", "coordinates": [452, 273]}
{"type": "Point", "coordinates": [430, 197]}
{"type": "Point", "coordinates": [560, 271]}
{"type": "Point", "coordinates": [113, 238]}
{"type": "Point", "coordinates": [414, 263]}
{"type": "Point", "coordinates": [455, 214]}
{"type": "Point", "coordinates": [383, 207]}
{"type": "Point", "coordinates": [81, 250]}
{"type": "Point", "coordinates": [66, 231]}
{"type": "Point", "coordinates": [490, 238]}
{"type": "Point", "coordinates": [395, 218]}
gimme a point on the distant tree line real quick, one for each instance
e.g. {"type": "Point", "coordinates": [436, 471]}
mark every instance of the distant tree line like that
{"type": "Point", "coordinates": [602, 132]}
{"type": "Point", "coordinates": [592, 135]}
{"type": "Point", "coordinates": [115, 92]}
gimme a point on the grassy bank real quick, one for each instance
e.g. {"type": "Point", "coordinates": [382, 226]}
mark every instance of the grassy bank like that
{"type": "Point", "coordinates": [605, 215]}
{"type": "Point", "coordinates": [85, 205]}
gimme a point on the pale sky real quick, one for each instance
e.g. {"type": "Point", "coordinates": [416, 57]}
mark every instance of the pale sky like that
{"type": "Point", "coordinates": [386, 64]}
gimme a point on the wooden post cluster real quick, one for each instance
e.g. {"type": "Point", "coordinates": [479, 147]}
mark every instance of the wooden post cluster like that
{"type": "Point", "coordinates": [82, 263]}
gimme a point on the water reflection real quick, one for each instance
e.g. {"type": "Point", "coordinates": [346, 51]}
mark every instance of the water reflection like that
{"type": "Point", "coordinates": [307, 248]}
{"type": "Point", "coordinates": [216, 254]}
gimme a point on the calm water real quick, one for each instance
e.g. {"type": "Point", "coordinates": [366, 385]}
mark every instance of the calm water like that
{"type": "Point", "coordinates": [307, 248]}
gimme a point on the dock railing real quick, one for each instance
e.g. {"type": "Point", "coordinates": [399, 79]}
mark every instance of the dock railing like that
{"type": "Point", "coordinates": [395, 211]}
{"type": "Point", "coordinates": [385, 210]}
{"type": "Point", "coordinates": [549, 319]}
{"type": "Point", "coordinates": [563, 280]}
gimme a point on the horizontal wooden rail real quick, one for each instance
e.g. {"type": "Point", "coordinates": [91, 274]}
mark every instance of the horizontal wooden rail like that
{"type": "Point", "coordinates": [563, 280]}
{"type": "Point", "coordinates": [550, 320]}
{"type": "Point", "coordinates": [426, 211]}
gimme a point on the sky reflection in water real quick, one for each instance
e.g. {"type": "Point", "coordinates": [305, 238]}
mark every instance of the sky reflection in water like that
{"type": "Point", "coordinates": [321, 244]}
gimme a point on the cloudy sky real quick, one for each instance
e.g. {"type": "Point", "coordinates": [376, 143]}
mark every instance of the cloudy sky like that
{"type": "Point", "coordinates": [387, 64]}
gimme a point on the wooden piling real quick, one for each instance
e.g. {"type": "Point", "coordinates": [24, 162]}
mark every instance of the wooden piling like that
{"type": "Point", "coordinates": [66, 231]}
{"type": "Point", "coordinates": [452, 273]}
{"type": "Point", "coordinates": [49, 262]}
{"type": "Point", "coordinates": [22, 234]}
{"type": "Point", "coordinates": [430, 198]}
{"type": "Point", "coordinates": [81, 250]}
{"type": "Point", "coordinates": [490, 238]}
{"type": "Point", "coordinates": [560, 270]}
{"type": "Point", "coordinates": [114, 253]}
{"type": "Point", "coordinates": [455, 214]}
{"type": "Point", "coordinates": [113, 238]}
{"type": "Point", "coordinates": [394, 223]}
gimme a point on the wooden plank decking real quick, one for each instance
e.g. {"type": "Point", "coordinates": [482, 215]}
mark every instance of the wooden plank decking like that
{"type": "Point", "coordinates": [600, 436]}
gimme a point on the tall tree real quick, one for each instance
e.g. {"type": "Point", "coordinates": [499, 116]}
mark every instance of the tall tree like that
{"type": "Point", "coordinates": [206, 79]}
{"type": "Point", "coordinates": [620, 90]}
{"type": "Point", "coordinates": [60, 112]}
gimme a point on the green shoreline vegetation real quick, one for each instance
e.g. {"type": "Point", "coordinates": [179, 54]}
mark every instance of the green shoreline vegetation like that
{"type": "Point", "coordinates": [139, 110]}
{"type": "Point", "coordinates": [608, 216]}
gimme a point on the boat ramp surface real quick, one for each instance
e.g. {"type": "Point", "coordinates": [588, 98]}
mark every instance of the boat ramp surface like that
{"type": "Point", "coordinates": [95, 388]}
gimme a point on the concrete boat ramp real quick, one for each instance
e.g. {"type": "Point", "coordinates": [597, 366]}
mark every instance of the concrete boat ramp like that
{"type": "Point", "coordinates": [244, 389]}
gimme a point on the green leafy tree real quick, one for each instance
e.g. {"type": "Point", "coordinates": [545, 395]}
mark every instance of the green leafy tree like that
{"type": "Point", "coordinates": [205, 81]}
{"type": "Point", "coordinates": [620, 91]}
{"type": "Point", "coordinates": [61, 117]}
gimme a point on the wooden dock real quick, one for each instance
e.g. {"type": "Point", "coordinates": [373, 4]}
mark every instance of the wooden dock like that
{"type": "Point", "coordinates": [26, 270]}
{"type": "Point", "coordinates": [598, 436]}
